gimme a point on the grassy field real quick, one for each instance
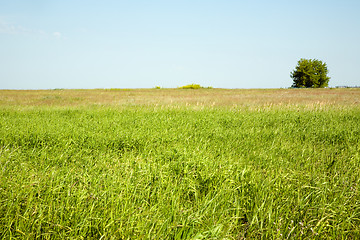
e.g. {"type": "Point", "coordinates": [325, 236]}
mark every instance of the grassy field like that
{"type": "Point", "coordinates": [244, 98]}
{"type": "Point", "coordinates": [180, 164]}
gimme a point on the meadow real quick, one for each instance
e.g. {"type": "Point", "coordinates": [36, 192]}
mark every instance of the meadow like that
{"type": "Point", "coordinates": [180, 164]}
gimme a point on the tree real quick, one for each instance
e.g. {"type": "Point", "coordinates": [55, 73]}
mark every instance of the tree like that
{"type": "Point", "coordinates": [310, 73]}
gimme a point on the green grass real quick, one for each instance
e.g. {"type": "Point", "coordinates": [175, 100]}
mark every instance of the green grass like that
{"type": "Point", "coordinates": [179, 173]}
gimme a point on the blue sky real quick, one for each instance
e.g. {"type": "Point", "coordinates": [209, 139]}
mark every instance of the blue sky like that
{"type": "Point", "coordinates": [142, 44]}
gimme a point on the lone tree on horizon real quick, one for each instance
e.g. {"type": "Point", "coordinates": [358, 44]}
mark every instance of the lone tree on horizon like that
{"type": "Point", "coordinates": [310, 73]}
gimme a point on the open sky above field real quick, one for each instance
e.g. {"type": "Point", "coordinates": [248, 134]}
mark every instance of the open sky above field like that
{"type": "Point", "coordinates": [143, 44]}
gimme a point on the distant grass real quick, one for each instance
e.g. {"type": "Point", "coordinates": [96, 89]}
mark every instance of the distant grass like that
{"type": "Point", "coordinates": [175, 172]}
{"type": "Point", "coordinates": [233, 98]}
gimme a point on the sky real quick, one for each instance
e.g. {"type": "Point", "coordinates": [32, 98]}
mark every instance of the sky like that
{"type": "Point", "coordinates": [48, 44]}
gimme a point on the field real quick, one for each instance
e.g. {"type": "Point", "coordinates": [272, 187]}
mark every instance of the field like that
{"type": "Point", "coordinates": [180, 164]}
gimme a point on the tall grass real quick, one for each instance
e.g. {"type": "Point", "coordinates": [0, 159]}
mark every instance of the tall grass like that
{"type": "Point", "coordinates": [179, 173]}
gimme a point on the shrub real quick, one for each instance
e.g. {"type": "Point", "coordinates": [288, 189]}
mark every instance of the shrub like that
{"type": "Point", "coordinates": [191, 86]}
{"type": "Point", "coordinates": [310, 73]}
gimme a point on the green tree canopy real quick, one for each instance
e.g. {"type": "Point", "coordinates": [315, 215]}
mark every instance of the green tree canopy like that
{"type": "Point", "coordinates": [310, 73]}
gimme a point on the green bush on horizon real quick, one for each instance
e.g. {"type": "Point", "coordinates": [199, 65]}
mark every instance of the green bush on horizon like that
{"type": "Point", "coordinates": [191, 86]}
{"type": "Point", "coordinates": [310, 73]}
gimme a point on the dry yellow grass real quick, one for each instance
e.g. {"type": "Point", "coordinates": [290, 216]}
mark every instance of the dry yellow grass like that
{"type": "Point", "coordinates": [182, 97]}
